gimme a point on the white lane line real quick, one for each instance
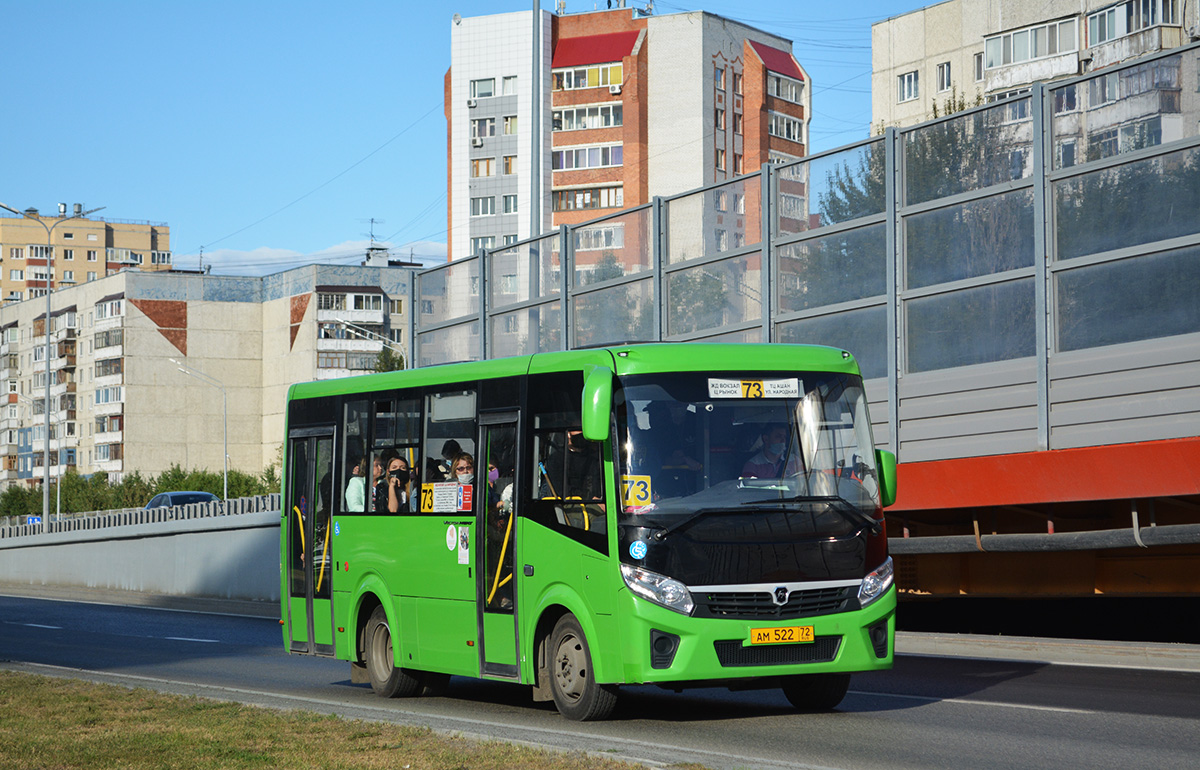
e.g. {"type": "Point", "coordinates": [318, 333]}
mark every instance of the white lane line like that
{"type": "Point", "coordinates": [973, 702]}
{"type": "Point", "coordinates": [190, 639]}
{"type": "Point", "coordinates": [39, 625]}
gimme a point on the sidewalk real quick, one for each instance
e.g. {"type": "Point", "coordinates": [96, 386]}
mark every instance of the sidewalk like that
{"type": "Point", "coordinates": [1177, 657]}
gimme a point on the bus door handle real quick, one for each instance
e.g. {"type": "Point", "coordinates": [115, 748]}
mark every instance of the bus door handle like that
{"type": "Point", "coordinates": [528, 570]}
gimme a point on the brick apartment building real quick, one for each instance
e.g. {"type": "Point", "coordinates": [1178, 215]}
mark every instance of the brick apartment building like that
{"type": "Point", "coordinates": [629, 105]}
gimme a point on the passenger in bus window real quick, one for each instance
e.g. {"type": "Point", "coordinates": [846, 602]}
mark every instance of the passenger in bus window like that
{"type": "Point", "coordinates": [463, 469]}
{"type": "Point", "coordinates": [770, 462]}
{"type": "Point", "coordinates": [391, 492]}
{"type": "Point", "coordinates": [356, 488]}
{"type": "Point", "coordinates": [450, 450]}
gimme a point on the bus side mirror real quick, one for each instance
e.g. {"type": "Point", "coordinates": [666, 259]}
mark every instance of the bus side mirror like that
{"type": "Point", "coordinates": [597, 403]}
{"type": "Point", "coordinates": [885, 461]}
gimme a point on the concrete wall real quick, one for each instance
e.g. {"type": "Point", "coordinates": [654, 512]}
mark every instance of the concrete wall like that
{"type": "Point", "coordinates": [222, 557]}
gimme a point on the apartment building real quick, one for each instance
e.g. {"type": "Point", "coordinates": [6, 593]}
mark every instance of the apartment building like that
{"type": "Point", "coordinates": [961, 53]}
{"type": "Point", "coordinates": [84, 250]}
{"type": "Point", "coordinates": [119, 401]}
{"type": "Point", "coordinates": [627, 104]}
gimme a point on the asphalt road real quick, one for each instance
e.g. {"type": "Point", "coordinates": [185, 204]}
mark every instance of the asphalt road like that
{"type": "Point", "coordinates": [929, 712]}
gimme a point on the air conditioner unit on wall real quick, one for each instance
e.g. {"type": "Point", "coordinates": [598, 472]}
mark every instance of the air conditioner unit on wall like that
{"type": "Point", "coordinates": [476, 141]}
{"type": "Point", "coordinates": [470, 102]}
{"type": "Point", "coordinates": [614, 89]}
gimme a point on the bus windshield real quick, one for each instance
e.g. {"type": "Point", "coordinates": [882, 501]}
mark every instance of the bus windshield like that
{"type": "Point", "coordinates": [792, 448]}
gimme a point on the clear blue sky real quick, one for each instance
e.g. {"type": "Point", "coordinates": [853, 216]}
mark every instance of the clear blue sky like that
{"type": "Point", "coordinates": [270, 133]}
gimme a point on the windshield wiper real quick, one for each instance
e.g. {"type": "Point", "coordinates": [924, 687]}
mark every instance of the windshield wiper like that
{"type": "Point", "coordinates": [838, 503]}
{"type": "Point", "coordinates": [696, 514]}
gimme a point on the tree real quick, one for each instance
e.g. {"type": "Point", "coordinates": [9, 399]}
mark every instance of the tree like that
{"type": "Point", "coordinates": [388, 360]}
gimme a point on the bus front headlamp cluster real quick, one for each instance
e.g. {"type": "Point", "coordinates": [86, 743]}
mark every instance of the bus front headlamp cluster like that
{"type": "Point", "coordinates": [876, 584]}
{"type": "Point", "coordinates": [660, 589]}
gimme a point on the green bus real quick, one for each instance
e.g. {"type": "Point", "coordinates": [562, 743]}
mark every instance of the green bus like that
{"type": "Point", "coordinates": [680, 515]}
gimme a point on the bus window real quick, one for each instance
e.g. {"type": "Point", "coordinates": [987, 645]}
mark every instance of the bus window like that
{"type": "Point", "coordinates": [394, 441]}
{"type": "Point", "coordinates": [448, 452]}
{"type": "Point", "coordinates": [357, 467]}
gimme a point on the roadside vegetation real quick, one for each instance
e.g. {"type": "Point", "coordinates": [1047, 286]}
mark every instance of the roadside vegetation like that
{"type": "Point", "coordinates": [96, 493]}
{"type": "Point", "coordinates": [64, 723]}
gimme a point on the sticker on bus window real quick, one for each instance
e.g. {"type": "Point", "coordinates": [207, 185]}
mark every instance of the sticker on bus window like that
{"type": "Point", "coordinates": [636, 491]}
{"type": "Point", "coordinates": [786, 388]}
{"type": "Point", "coordinates": [446, 497]}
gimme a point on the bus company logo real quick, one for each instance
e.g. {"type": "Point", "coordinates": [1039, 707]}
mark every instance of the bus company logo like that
{"type": "Point", "coordinates": [780, 596]}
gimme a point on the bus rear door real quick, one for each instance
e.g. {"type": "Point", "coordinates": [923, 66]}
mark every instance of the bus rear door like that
{"type": "Point", "coordinates": [496, 522]}
{"type": "Point", "coordinates": [309, 559]}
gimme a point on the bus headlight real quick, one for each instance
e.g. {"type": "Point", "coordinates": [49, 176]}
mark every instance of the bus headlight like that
{"type": "Point", "coordinates": [660, 589]}
{"type": "Point", "coordinates": [876, 584]}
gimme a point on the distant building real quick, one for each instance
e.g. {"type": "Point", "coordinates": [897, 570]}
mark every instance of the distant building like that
{"type": "Point", "coordinates": [629, 105]}
{"type": "Point", "coordinates": [84, 250]}
{"type": "Point", "coordinates": [120, 404]}
{"type": "Point", "coordinates": [959, 53]}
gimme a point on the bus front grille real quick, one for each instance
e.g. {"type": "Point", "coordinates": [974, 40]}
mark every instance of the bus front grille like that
{"type": "Point", "coordinates": [750, 605]}
{"type": "Point", "coordinates": [734, 652]}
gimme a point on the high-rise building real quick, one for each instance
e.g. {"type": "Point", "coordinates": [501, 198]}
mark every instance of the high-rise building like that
{"type": "Point", "coordinates": [84, 250]}
{"type": "Point", "coordinates": [628, 105]}
{"type": "Point", "coordinates": [960, 53]}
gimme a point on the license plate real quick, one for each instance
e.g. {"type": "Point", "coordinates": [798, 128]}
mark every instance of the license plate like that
{"type": "Point", "coordinates": [785, 635]}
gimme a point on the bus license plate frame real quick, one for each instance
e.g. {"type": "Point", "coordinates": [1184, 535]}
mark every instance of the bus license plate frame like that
{"type": "Point", "coordinates": [783, 635]}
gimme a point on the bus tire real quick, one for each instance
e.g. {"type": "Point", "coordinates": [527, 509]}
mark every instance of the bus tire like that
{"type": "Point", "coordinates": [387, 679]}
{"type": "Point", "coordinates": [816, 692]}
{"type": "Point", "coordinates": [572, 681]}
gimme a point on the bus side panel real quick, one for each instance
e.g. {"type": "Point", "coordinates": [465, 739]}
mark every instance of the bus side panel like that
{"type": "Point", "coordinates": [558, 564]}
{"type": "Point", "coordinates": [447, 637]}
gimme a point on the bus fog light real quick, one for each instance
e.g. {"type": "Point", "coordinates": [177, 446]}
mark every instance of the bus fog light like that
{"type": "Point", "coordinates": [660, 589]}
{"type": "Point", "coordinates": [876, 584]}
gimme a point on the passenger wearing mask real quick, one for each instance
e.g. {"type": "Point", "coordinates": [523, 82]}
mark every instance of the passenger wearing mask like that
{"type": "Point", "coordinates": [773, 460]}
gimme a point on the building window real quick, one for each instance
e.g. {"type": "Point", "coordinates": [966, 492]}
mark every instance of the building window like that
{"type": "Point", "coordinates": [510, 125]}
{"type": "Point", "coordinates": [510, 204]}
{"type": "Point", "coordinates": [368, 301]}
{"type": "Point", "coordinates": [587, 157]}
{"type": "Point", "coordinates": [719, 119]}
{"type": "Point", "coordinates": [719, 78]}
{"type": "Point", "coordinates": [91, 255]}
{"type": "Point", "coordinates": [509, 85]}
{"type": "Point", "coordinates": [508, 240]}
{"type": "Point", "coordinates": [737, 83]}
{"type": "Point", "coordinates": [16, 275]}
{"type": "Point", "coordinates": [600, 237]}
{"type": "Point", "coordinates": [1129, 17]}
{"type": "Point", "coordinates": [483, 88]}
{"type": "Point", "coordinates": [590, 116]}
{"type": "Point", "coordinates": [783, 87]}
{"type": "Point", "coordinates": [1051, 39]}
{"type": "Point", "coordinates": [721, 240]}
{"type": "Point", "coordinates": [590, 198]}
{"type": "Point", "coordinates": [396, 306]}
{"type": "Point", "coordinates": [720, 160]}
{"type": "Point", "coordinates": [483, 207]}
{"type": "Point", "coordinates": [785, 127]}
{"type": "Point", "coordinates": [68, 253]}
{"type": "Point", "coordinates": [509, 166]}
{"type": "Point", "coordinates": [594, 76]}
{"type": "Point", "coordinates": [91, 275]}
{"type": "Point", "coordinates": [16, 253]}
{"type": "Point", "coordinates": [737, 123]}
{"type": "Point", "coordinates": [331, 302]}
{"type": "Point", "coordinates": [69, 275]}
{"type": "Point", "coordinates": [943, 77]}
{"type": "Point", "coordinates": [40, 252]}
{"type": "Point", "coordinates": [481, 127]}
{"type": "Point", "coordinates": [978, 68]}
{"type": "Point", "coordinates": [68, 236]}
{"type": "Point", "coordinates": [482, 242]}
{"type": "Point", "coordinates": [737, 164]}
{"type": "Point", "coordinates": [908, 87]}
{"type": "Point", "coordinates": [160, 257]}
{"type": "Point", "coordinates": [483, 167]}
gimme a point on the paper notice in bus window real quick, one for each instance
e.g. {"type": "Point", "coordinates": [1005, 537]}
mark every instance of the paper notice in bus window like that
{"type": "Point", "coordinates": [637, 491]}
{"type": "Point", "coordinates": [785, 388]}
{"type": "Point", "coordinates": [443, 498]}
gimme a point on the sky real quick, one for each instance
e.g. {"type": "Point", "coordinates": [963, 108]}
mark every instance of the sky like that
{"type": "Point", "coordinates": [274, 134]}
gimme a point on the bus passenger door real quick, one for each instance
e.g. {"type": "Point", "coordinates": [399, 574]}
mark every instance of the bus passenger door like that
{"type": "Point", "coordinates": [309, 559]}
{"type": "Point", "coordinates": [496, 479]}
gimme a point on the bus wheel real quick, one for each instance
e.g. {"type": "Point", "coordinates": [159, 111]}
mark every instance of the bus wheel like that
{"type": "Point", "coordinates": [572, 681]}
{"type": "Point", "coordinates": [387, 679]}
{"type": "Point", "coordinates": [816, 692]}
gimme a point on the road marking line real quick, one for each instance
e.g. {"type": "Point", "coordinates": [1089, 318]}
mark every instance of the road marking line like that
{"type": "Point", "coordinates": [39, 625]}
{"type": "Point", "coordinates": [190, 639]}
{"type": "Point", "coordinates": [974, 702]}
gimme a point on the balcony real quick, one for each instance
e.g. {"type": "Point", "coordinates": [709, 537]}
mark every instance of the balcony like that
{"type": "Point", "coordinates": [360, 317]}
{"type": "Point", "coordinates": [325, 345]}
{"type": "Point", "coordinates": [107, 410]}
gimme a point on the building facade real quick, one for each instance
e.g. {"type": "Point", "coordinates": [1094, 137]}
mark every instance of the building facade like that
{"type": "Point", "coordinates": [119, 401]}
{"type": "Point", "coordinates": [628, 106]}
{"type": "Point", "coordinates": [962, 53]}
{"type": "Point", "coordinates": [84, 250]}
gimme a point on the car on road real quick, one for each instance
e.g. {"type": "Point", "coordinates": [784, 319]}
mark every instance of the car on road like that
{"type": "Point", "coordinates": [168, 499]}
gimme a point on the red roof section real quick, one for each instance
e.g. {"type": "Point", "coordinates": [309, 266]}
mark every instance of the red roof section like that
{"type": "Point", "coordinates": [777, 61]}
{"type": "Point", "coordinates": [593, 49]}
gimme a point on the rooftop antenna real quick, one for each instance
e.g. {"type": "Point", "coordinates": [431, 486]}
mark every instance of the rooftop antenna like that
{"type": "Point", "coordinates": [371, 234]}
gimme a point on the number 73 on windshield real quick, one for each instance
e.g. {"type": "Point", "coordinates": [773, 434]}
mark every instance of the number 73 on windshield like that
{"type": "Point", "coordinates": [785, 388]}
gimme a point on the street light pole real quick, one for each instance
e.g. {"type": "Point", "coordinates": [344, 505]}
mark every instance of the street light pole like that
{"type": "Point", "coordinates": [210, 380]}
{"type": "Point", "coordinates": [79, 213]}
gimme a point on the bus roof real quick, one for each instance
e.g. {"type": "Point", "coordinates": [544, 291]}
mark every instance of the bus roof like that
{"type": "Point", "coordinates": [644, 358]}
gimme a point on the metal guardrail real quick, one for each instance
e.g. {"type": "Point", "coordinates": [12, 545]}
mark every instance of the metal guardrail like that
{"type": "Point", "coordinates": [17, 526]}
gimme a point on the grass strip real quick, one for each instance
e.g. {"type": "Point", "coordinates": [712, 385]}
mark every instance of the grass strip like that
{"type": "Point", "coordinates": [50, 723]}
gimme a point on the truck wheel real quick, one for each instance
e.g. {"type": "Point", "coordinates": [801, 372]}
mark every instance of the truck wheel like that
{"type": "Point", "coordinates": [816, 692]}
{"type": "Point", "coordinates": [387, 679]}
{"type": "Point", "coordinates": [572, 682]}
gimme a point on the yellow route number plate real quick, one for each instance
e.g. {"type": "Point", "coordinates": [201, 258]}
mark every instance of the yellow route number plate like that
{"type": "Point", "coordinates": [785, 635]}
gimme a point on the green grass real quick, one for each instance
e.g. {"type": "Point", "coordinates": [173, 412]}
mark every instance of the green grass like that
{"type": "Point", "coordinates": [56, 723]}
